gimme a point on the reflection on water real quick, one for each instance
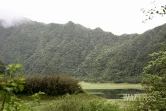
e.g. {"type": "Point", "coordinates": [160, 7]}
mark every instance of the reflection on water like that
{"type": "Point", "coordinates": [114, 93]}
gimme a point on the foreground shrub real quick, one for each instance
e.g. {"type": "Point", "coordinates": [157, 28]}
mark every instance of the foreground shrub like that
{"type": "Point", "coordinates": [51, 85]}
{"type": "Point", "coordinates": [9, 84]}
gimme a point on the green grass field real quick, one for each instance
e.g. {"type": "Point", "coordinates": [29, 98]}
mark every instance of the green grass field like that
{"type": "Point", "coordinates": [86, 85]}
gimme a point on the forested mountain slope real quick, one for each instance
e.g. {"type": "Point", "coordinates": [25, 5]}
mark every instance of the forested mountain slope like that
{"type": "Point", "coordinates": [72, 49]}
{"type": "Point", "coordinates": [2, 68]}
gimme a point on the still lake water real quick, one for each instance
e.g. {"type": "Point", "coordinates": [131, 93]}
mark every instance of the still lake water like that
{"type": "Point", "coordinates": [114, 93]}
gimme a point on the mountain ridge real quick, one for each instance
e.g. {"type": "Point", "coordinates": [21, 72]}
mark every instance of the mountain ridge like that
{"type": "Point", "coordinates": [72, 49]}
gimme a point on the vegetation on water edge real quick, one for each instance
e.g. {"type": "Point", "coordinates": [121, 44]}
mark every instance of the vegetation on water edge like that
{"type": "Point", "coordinates": [80, 102]}
{"type": "Point", "coordinates": [12, 84]}
{"type": "Point", "coordinates": [75, 102]}
{"type": "Point", "coordinates": [51, 85]}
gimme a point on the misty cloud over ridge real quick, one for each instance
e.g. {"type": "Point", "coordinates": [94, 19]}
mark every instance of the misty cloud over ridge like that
{"type": "Point", "coordinates": [10, 22]}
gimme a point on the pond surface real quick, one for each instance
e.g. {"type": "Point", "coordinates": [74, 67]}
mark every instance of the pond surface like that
{"type": "Point", "coordinates": [114, 93]}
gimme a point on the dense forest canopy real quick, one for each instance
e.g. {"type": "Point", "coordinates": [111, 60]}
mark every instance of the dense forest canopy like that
{"type": "Point", "coordinates": [72, 49]}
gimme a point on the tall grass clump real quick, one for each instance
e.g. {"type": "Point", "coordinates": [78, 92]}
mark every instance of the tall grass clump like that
{"type": "Point", "coordinates": [51, 85]}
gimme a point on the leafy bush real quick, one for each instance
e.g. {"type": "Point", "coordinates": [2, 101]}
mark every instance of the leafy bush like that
{"type": "Point", "coordinates": [81, 102]}
{"type": "Point", "coordinates": [9, 84]}
{"type": "Point", "coordinates": [51, 85]}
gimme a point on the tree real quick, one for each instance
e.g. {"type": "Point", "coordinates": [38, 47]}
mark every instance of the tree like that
{"type": "Point", "coordinates": [155, 79]}
{"type": "Point", "coordinates": [156, 10]}
{"type": "Point", "coordinates": [155, 83]}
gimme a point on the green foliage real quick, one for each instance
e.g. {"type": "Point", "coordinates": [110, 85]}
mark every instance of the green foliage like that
{"type": "Point", "coordinates": [156, 10]}
{"type": "Point", "coordinates": [51, 85]}
{"type": "Point", "coordinates": [155, 83]}
{"type": "Point", "coordinates": [37, 97]}
{"type": "Point", "coordinates": [9, 86]}
{"type": "Point", "coordinates": [81, 103]}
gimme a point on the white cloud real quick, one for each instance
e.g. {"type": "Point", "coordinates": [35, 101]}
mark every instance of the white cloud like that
{"type": "Point", "coordinates": [117, 16]}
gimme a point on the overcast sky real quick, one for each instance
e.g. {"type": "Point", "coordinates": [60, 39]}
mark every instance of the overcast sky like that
{"type": "Point", "coordinates": [116, 16]}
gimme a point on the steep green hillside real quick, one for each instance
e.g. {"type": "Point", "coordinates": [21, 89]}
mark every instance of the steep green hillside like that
{"type": "Point", "coordinates": [72, 49]}
{"type": "Point", "coordinates": [2, 68]}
